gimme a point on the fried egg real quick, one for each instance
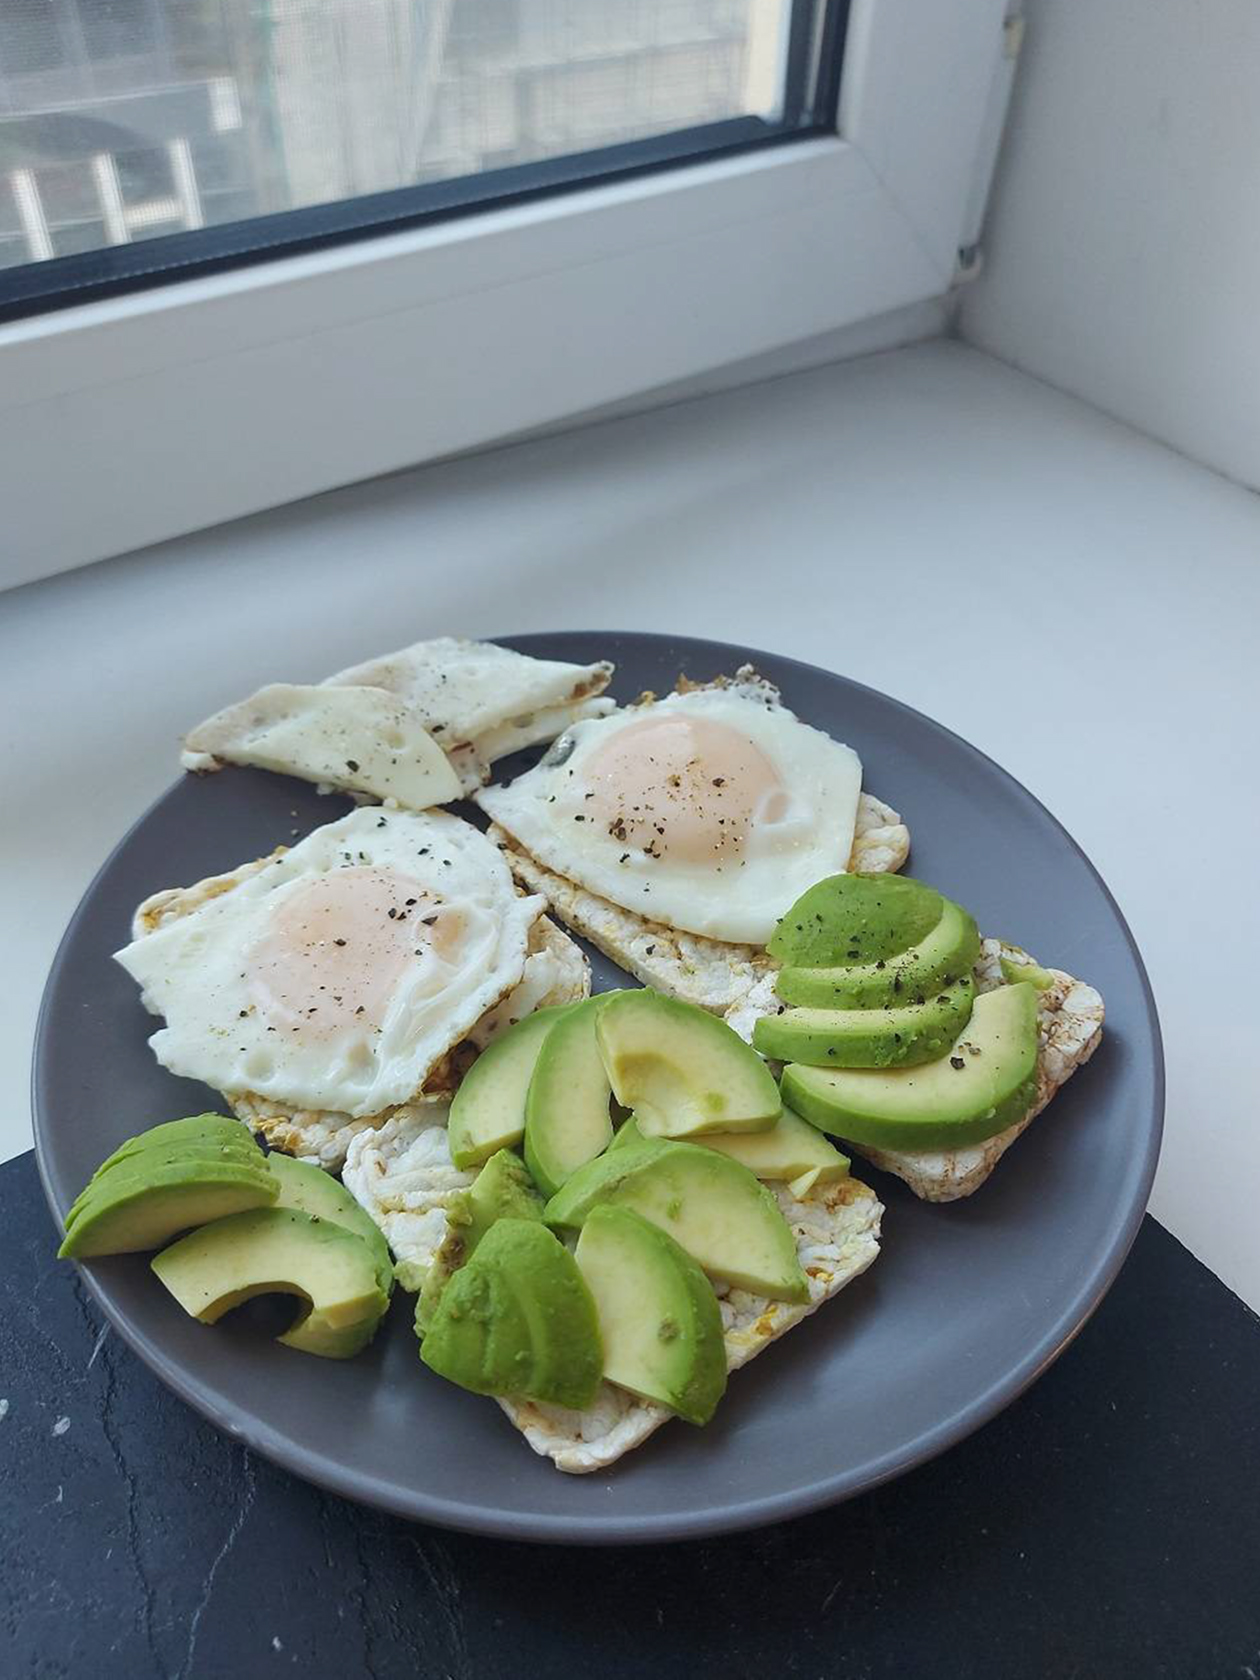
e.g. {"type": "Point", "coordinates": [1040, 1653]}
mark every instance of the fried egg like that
{"type": "Point", "coordinates": [710, 811]}
{"type": "Point", "coordinates": [480, 701]}
{"type": "Point", "coordinates": [360, 739]}
{"type": "Point", "coordinates": [338, 974]}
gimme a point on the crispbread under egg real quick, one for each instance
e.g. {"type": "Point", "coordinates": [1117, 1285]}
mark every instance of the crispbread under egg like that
{"type": "Point", "coordinates": [707, 972]}
{"type": "Point", "coordinates": [556, 971]}
{"type": "Point", "coordinates": [1070, 1023]}
{"type": "Point", "coordinates": [403, 1176]}
{"type": "Point", "coordinates": [836, 1228]}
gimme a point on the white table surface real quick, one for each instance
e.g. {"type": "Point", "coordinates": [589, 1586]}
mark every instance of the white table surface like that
{"type": "Point", "coordinates": [1126, 579]}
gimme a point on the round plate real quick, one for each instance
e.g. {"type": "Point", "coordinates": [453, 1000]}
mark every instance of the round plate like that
{"type": "Point", "coordinates": [965, 1306]}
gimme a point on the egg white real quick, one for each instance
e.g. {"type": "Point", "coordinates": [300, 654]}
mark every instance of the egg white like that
{"type": "Point", "coordinates": [258, 985]}
{"type": "Point", "coordinates": [668, 852]}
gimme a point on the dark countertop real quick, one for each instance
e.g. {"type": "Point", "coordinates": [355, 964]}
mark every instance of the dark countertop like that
{"type": "Point", "coordinates": [1106, 1525]}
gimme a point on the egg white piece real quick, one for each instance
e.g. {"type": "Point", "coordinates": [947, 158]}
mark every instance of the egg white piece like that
{"type": "Point", "coordinates": [710, 811]}
{"type": "Point", "coordinates": [344, 969]}
{"type": "Point", "coordinates": [481, 701]}
{"type": "Point", "coordinates": [362, 739]}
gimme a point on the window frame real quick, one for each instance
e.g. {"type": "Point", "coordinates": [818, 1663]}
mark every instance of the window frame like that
{"type": "Point", "coordinates": [143, 415]}
{"type": "Point", "coordinates": [810, 103]}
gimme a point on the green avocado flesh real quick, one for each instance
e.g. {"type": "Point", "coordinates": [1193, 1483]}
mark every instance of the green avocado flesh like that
{"type": "Point", "coordinates": [567, 1119]}
{"type": "Point", "coordinates": [200, 1129]}
{"type": "Point", "coordinates": [790, 1148]}
{"type": "Point", "coordinates": [943, 955]}
{"type": "Point", "coordinates": [502, 1189]}
{"type": "Point", "coordinates": [518, 1320]}
{"type": "Point", "coordinates": [488, 1112]}
{"type": "Point", "coordinates": [141, 1167]}
{"type": "Point", "coordinates": [659, 1320]}
{"type": "Point", "coordinates": [721, 1214]}
{"type": "Point", "coordinates": [855, 919]}
{"type": "Point", "coordinates": [280, 1251]}
{"type": "Point", "coordinates": [312, 1190]}
{"type": "Point", "coordinates": [203, 1137]}
{"type": "Point", "coordinates": [919, 1031]}
{"type": "Point", "coordinates": [1014, 971]}
{"type": "Point", "coordinates": [681, 1070]}
{"type": "Point", "coordinates": [986, 1083]}
{"type": "Point", "coordinates": [131, 1213]}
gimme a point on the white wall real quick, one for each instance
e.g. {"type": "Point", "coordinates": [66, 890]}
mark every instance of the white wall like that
{"type": "Point", "coordinates": [1123, 242]}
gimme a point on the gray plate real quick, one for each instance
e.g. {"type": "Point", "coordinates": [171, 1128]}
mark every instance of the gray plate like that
{"type": "Point", "coordinates": [966, 1305]}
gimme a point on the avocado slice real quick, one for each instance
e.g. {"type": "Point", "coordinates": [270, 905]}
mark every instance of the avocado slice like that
{"type": "Point", "coordinates": [920, 1031]}
{"type": "Point", "coordinates": [279, 1251]}
{"type": "Point", "coordinates": [682, 1070]}
{"type": "Point", "coordinates": [790, 1149]}
{"type": "Point", "coordinates": [626, 1134]}
{"type": "Point", "coordinates": [488, 1112]}
{"type": "Point", "coordinates": [502, 1189]}
{"type": "Point", "coordinates": [519, 1320]}
{"type": "Point", "coordinates": [314, 1191]}
{"type": "Point", "coordinates": [1021, 967]}
{"type": "Point", "coordinates": [659, 1319]}
{"type": "Point", "coordinates": [726, 1220]}
{"type": "Point", "coordinates": [145, 1162]}
{"type": "Point", "coordinates": [855, 919]}
{"type": "Point", "coordinates": [567, 1120]}
{"type": "Point", "coordinates": [986, 1083]}
{"type": "Point", "coordinates": [133, 1212]}
{"type": "Point", "coordinates": [213, 1129]}
{"type": "Point", "coordinates": [941, 956]}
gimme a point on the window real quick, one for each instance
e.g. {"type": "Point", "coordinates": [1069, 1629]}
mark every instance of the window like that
{"type": "Point", "coordinates": [143, 139]}
{"type": "Point", "coordinates": [594, 198]}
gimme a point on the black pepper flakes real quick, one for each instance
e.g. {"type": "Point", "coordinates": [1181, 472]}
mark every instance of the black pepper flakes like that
{"type": "Point", "coordinates": [352, 764]}
{"type": "Point", "coordinates": [338, 941]}
{"type": "Point", "coordinates": [957, 1062]}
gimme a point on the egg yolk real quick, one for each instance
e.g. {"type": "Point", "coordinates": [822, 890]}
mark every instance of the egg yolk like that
{"type": "Point", "coordinates": [335, 949]}
{"type": "Point", "coordinates": [688, 788]}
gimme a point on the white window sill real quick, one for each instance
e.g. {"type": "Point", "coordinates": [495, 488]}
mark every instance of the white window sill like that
{"type": "Point", "coordinates": [962, 525]}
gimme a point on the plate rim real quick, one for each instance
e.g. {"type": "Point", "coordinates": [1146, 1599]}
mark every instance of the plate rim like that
{"type": "Point", "coordinates": [361, 1488]}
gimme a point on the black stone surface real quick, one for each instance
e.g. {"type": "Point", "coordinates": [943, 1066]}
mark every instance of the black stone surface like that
{"type": "Point", "coordinates": [1107, 1525]}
